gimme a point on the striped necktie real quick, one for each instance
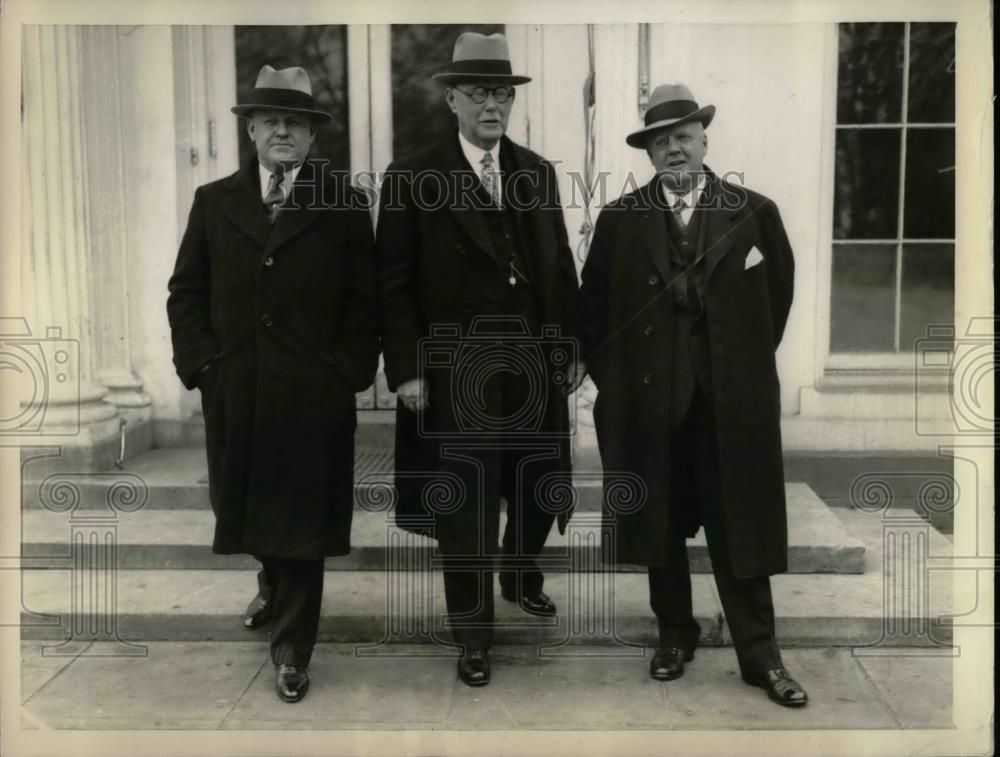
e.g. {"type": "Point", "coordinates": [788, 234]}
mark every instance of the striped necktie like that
{"type": "Point", "coordinates": [489, 178]}
{"type": "Point", "coordinates": [274, 196]}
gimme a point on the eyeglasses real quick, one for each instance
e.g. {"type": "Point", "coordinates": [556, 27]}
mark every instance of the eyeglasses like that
{"type": "Point", "coordinates": [478, 95]}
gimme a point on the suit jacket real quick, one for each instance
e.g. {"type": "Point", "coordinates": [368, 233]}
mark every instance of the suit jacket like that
{"type": "Point", "coordinates": [626, 316]}
{"type": "Point", "coordinates": [286, 316]}
{"type": "Point", "coordinates": [439, 268]}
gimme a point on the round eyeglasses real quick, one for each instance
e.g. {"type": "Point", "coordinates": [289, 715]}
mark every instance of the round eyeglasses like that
{"type": "Point", "coordinates": [478, 95]}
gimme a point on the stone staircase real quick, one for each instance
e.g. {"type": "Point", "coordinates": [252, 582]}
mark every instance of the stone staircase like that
{"type": "Point", "coordinates": [125, 555]}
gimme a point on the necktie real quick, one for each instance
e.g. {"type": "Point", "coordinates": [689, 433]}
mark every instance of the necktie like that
{"type": "Point", "coordinates": [677, 209]}
{"type": "Point", "coordinates": [274, 196]}
{"type": "Point", "coordinates": [489, 178]}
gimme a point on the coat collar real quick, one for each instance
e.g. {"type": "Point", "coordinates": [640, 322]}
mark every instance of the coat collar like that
{"type": "Point", "coordinates": [724, 208]}
{"type": "Point", "coordinates": [514, 162]}
{"type": "Point", "coordinates": [244, 207]}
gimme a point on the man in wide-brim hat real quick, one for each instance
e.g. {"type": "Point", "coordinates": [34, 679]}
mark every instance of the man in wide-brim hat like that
{"type": "Point", "coordinates": [273, 315]}
{"type": "Point", "coordinates": [471, 227]}
{"type": "Point", "coordinates": [684, 299]}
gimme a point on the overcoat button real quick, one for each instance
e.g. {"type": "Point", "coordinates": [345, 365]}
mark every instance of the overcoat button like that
{"type": "Point", "coordinates": [459, 249]}
{"type": "Point", "coordinates": [648, 331]}
{"type": "Point", "coordinates": [266, 319]}
{"type": "Point", "coordinates": [466, 307]}
{"type": "Point", "coordinates": [269, 261]}
{"type": "Point", "coordinates": [647, 379]}
{"type": "Point", "coordinates": [653, 281]}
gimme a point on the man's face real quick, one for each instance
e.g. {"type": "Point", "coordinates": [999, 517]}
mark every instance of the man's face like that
{"type": "Point", "coordinates": [280, 136]}
{"type": "Point", "coordinates": [678, 153]}
{"type": "Point", "coordinates": [481, 123]}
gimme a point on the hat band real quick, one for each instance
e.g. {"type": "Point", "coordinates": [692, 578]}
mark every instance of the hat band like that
{"type": "Point", "coordinates": [264, 97]}
{"type": "Point", "coordinates": [669, 110]}
{"type": "Point", "coordinates": [481, 67]}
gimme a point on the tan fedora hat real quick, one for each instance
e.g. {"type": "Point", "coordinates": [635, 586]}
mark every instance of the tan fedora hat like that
{"type": "Point", "coordinates": [670, 105]}
{"type": "Point", "coordinates": [288, 89]}
{"type": "Point", "coordinates": [478, 56]}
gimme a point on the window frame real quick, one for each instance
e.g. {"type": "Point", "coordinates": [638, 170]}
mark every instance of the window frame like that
{"type": "Point", "coordinates": [852, 362]}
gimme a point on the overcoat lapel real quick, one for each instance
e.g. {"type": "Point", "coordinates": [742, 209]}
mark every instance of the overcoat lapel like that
{"type": "Point", "coordinates": [459, 182]}
{"type": "Point", "coordinates": [243, 205]}
{"type": "Point", "coordinates": [521, 185]}
{"type": "Point", "coordinates": [720, 226]}
{"type": "Point", "coordinates": [654, 230]}
{"type": "Point", "coordinates": [306, 205]}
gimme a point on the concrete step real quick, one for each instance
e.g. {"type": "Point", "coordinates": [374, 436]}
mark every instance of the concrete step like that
{"type": "Point", "coordinates": [174, 539]}
{"type": "Point", "coordinates": [609, 609]}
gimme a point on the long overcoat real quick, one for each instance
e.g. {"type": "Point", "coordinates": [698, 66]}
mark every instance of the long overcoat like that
{"type": "Point", "coordinates": [626, 326]}
{"type": "Point", "coordinates": [285, 315]}
{"type": "Point", "coordinates": [439, 281]}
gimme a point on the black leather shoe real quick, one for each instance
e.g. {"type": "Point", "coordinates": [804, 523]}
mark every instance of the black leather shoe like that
{"type": "Point", "coordinates": [474, 667]}
{"type": "Point", "coordinates": [291, 682]}
{"type": "Point", "coordinates": [668, 663]}
{"type": "Point", "coordinates": [539, 604]}
{"type": "Point", "coordinates": [780, 687]}
{"type": "Point", "coordinates": [259, 612]}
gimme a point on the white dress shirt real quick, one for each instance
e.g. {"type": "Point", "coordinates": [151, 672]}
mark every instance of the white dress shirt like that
{"type": "Point", "coordinates": [475, 154]}
{"type": "Point", "coordinates": [286, 184]}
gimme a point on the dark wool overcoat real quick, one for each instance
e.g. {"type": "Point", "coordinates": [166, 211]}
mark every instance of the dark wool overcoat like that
{"type": "Point", "coordinates": [626, 321]}
{"type": "Point", "coordinates": [285, 315]}
{"type": "Point", "coordinates": [440, 276]}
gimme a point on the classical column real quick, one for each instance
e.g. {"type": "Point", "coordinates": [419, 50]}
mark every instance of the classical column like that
{"type": "Point", "coordinates": [107, 182]}
{"type": "Point", "coordinates": [67, 403]}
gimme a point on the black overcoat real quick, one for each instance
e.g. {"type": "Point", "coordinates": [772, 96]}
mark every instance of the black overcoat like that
{"type": "Point", "coordinates": [437, 269]}
{"type": "Point", "coordinates": [626, 321]}
{"type": "Point", "coordinates": [286, 315]}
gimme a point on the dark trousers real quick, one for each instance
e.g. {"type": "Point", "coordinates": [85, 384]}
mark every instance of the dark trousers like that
{"type": "Point", "coordinates": [696, 498]}
{"type": "Point", "coordinates": [468, 579]}
{"type": "Point", "coordinates": [296, 589]}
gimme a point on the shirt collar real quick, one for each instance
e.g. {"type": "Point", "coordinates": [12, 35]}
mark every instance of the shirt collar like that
{"type": "Point", "coordinates": [474, 154]}
{"type": "Point", "coordinates": [691, 199]}
{"type": "Point", "coordinates": [286, 184]}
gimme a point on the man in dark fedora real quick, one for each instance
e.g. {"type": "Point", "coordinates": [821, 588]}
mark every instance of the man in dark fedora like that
{"type": "Point", "coordinates": [684, 298]}
{"type": "Point", "coordinates": [273, 317]}
{"type": "Point", "coordinates": [478, 298]}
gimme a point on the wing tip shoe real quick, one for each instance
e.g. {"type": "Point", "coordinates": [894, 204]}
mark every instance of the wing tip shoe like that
{"type": "Point", "coordinates": [538, 604]}
{"type": "Point", "coordinates": [291, 682]}
{"type": "Point", "coordinates": [668, 663]}
{"type": "Point", "coordinates": [474, 667]}
{"type": "Point", "coordinates": [780, 687]}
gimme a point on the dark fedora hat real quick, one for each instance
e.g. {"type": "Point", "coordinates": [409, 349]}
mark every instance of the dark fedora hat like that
{"type": "Point", "coordinates": [670, 105]}
{"type": "Point", "coordinates": [477, 56]}
{"type": "Point", "coordinates": [288, 89]}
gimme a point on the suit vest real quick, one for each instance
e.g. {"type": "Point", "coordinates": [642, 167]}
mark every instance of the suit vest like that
{"type": "Point", "coordinates": [690, 355]}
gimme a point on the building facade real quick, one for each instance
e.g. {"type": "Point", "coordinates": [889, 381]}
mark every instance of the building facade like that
{"type": "Point", "coordinates": [850, 128]}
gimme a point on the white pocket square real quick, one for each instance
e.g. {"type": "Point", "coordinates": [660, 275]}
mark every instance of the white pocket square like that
{"type": "Point", "coordinates": [753, 258]}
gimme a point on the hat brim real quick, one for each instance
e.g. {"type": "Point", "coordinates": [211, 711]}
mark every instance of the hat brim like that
{"type": "Point", "coordinates": [638, 138]}
{"type": "Point", "coordinates": [455, 78]}
{"type": "Point", "coordinates": [244, 111]}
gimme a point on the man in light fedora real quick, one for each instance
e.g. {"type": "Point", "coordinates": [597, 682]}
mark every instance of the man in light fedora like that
{"type": "Point", "coordinates": [273, 318]}
{"type": "Point", "coordinates": [478, 298]}
{"type": "Point", "coordinates": [684, 298]}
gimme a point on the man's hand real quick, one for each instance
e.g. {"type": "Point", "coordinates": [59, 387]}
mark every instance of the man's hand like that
{"type": "Point", "coordinates": [574, 377]}
{"type": "Point", "coordinates": [413, 394]}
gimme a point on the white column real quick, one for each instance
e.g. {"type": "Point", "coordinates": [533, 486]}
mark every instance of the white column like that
{"type": "Point", "coordinates": [107, 186]}
{"type": "Point", "coordinates": [56, 241]}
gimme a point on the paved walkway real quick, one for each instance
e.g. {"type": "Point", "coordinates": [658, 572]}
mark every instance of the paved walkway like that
{"type": "Point", "coordinates": [229, 685]}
